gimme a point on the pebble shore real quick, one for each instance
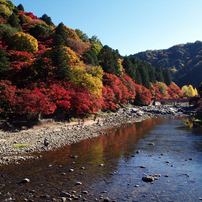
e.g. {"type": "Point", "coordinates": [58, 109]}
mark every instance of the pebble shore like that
{"type": "Point", "coordinates": [58, 134]}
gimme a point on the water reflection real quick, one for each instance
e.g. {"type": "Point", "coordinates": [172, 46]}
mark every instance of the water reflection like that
{"type": "Point", "coordinates": [173, 142]}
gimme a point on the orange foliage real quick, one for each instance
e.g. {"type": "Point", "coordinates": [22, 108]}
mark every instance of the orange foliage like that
{"type": "Point", "coordinates": [72, 33]}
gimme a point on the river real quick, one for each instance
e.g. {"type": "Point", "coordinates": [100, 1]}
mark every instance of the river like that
{"type": "Point", "coordinates": [112, 165]}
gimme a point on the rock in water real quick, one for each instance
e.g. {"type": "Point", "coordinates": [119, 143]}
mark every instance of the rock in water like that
{"type": "Point", "coordinates": [148, 179]}
{"type": "Point", "coordinates": [26, 180]}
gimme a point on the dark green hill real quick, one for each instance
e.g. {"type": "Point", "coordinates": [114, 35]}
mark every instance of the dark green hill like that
{"type": "Point", "coordinates": [184, 61]}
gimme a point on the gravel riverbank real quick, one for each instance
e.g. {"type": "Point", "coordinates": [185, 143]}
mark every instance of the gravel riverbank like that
{"type": "Point", "coordinates": [21, 144]}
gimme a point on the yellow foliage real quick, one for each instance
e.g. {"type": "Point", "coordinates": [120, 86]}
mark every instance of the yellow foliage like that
{"type": "Point", "coordinates": [121, 69]}
{"type": "Point", "coordinates": [3, 2]}
{"type": "Point", "coordinates": [96, 47]}
{"type": "Point", "coordinates": [173, 83]}
{"type": "Point", "coordinates": [96, 71]}
{"type": "Point", "coordinates": [81, 78]}
{"type": "Point", "coordinates": [163, 89]}
{"type": "Point", "coordinates": [73, 58]}
{"type": "Point", "coordinates": [71, 54]}
{"type": "Point", "coordinates": [189, 91]}
{"type": "Point", "coordinates": [5, 11]}
{"type": "Point", "coordinates": [71, 33]}
{"type": "Point", "coordinates": [185, 90]}
{"type": "Point", "coordinates": [196, 92]}
{"type": "Point", "coordinates": [10, 4]}
{"type": "Point", "coordinates": [23, 42]}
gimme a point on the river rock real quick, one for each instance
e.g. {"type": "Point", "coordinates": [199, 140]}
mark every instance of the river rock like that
{"type": "Point", "coordinates": [65, 194]}
{"type": "Point", "coordinates": [78, 183]}
{"type": "Point", "coordinates": [148, 179]}
{"type": "Point", "coordinates": [106, 199]}
{"type": "Point", "coordinates": [63, 199]}
{"type": "Point", "coordinates": [151, 143]}
{"type": "Point", "coordinates": [26, 180]}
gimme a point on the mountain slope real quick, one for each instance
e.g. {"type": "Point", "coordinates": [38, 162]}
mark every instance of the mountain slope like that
{"type": "Point", "coordinates": [184, 61]}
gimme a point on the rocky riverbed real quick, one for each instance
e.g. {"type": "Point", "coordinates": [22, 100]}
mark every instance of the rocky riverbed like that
{"type": "Point", "coordinates": [20, 145]}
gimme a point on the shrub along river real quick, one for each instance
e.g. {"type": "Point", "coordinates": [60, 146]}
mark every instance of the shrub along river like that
{"type": "Point", "coordinates": [111, 166]}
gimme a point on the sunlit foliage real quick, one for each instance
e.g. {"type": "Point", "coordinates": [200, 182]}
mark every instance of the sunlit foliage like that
{"type": "Point", "coordinates": [23, 42]}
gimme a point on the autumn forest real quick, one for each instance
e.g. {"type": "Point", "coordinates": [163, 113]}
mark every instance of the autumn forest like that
{"type": "Point", "coordinates": [53, 69]}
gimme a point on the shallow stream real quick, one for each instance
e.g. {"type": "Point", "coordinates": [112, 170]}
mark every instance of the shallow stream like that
{"type": "Point", "coordinates": [113, 165]}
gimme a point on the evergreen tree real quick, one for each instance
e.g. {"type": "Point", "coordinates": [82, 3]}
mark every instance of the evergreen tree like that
{"type": "Point", "coordinates": [138, 79]}
{"type": "Point", "coordinates": [129, 67]}
{"type": "Point", "coordinates": [47, 19]}
{"type": "Point", "coordinates": [40, 72]}
{"type": "Point", "coordinates": [167, 76]}
{"type": "Point", "coordinates": [20, 7]}
{"type": "Point", "coordinates": [109, 60]}
{"type": "Point", "coordinates": [152, 76]}
{"type": "Point", "coordinates": [60, 60]}
{"type": "Point", "coordinates": [159, 74]}
{"type": "Point", "coordinates": [16, 11]}
{"type": "Point", "coordinates": [58, 40]}
{"type": "Point", "coordinates": [61, 31]}
{"type": "Point", "coordinates": [90, 57]}
{"type": "Point", "coordinates": [14, 21]}
{"type": "Point", "coordinates": [4, 61]}
{"type": "Point", "coordinates": [22, 19]}
{"type": "Point", "coordinates": [144, 77]}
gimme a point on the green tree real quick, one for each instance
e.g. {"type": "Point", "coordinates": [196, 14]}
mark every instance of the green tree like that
{"type": "Point", "coordinates": [138, 79]}
{"type": "Point", "coordinates": [167, 76]}
{"type": "Point", "coordinates": [58, 40]}
{"type": "Point", "coordinates": [14, 21]}
{"type": "Point", "coordinates": [151, 71]}
{"type": "Point", "coordinates": [16, 11]}
{"type": "Point", "coordinates": [94, 39]}
{"type": "Point", "coordinates": [61, 31]}
{"type": "Point", "coordinates": [82, 35]}
{"type": "Point", "coordinates": [20, 7]}
{"type": "Point", "coordinates": [60, 61]}
{"type": "Point", "coordinates": [39, 29]}
{"type": "Point", "coordinates": [47, 19]}
{"type": "Point", "coordinates": [22, 19]}
{"type": "Point", "coordinates": [4, 61]}
{"type": "Point", "coordinates": [144, 77]}
{"type": "Point", "coordinates": [90, 57]}
{"type": "Point", "coordinates": [200, 90]}
{"type": "Point", "coordinates": [159, 74]}
{"type": "Point", "coordinates": [109, 60]}
{"type": "Point", "coordinates": [129, 68]}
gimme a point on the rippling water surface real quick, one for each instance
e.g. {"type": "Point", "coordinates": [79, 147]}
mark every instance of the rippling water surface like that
{"type": "Point", "coordinates": [108, 166]}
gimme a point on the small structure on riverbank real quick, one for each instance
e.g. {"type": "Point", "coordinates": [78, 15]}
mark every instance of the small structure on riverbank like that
{"type": "Point", "coordinates": [173, 101]}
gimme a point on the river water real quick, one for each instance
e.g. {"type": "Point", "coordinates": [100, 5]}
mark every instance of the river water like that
{"type": "Point", "coordinates": [109, 166]}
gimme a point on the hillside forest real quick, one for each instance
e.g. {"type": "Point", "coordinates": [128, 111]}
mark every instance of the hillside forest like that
{"type": "Point", "coordinates": [183, 60]}
{"type": "Point", "coordinates": [53, 69]}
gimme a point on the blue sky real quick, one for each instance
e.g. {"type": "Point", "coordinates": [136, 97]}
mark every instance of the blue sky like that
{"type": "Point", "coordinates": [131, 26]}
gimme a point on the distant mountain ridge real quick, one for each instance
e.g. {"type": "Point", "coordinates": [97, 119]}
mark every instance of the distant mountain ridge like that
{"type": "Point", "coordinates": [184, 61]}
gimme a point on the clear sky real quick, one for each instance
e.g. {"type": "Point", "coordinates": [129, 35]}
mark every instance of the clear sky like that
{"type": "Point", "coordinates": [131, 26]}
